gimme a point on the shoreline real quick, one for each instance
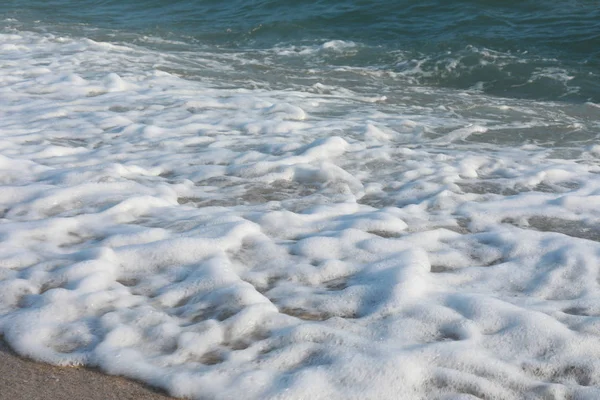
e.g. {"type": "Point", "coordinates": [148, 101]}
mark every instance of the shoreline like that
{"type": "Point", "coordinates": [25, 379]}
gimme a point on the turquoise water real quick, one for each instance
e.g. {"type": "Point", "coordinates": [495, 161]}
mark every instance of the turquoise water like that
{"type": "Point", "coordinates": [539, 50]}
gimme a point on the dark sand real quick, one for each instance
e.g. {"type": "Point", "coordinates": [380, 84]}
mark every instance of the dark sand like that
{"type": "Point", "coordinates": [22, 379]}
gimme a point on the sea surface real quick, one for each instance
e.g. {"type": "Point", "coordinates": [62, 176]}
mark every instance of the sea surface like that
{"type": "Point", "coordinates": [332, 200]}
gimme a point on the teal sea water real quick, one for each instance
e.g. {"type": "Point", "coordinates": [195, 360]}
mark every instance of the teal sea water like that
{"type": "Point", "coordinates": [543, 50]}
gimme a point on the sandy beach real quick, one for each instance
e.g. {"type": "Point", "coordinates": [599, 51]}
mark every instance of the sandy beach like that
{"type": "Point", "coordinates": [22, 379]}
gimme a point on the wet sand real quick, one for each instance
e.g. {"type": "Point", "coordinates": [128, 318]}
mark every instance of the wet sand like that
{"type": "Point", "coordinates": [22, 379]}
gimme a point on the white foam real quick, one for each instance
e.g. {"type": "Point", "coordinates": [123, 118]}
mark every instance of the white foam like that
{"type": "Point", "coordinates": [312, 242]}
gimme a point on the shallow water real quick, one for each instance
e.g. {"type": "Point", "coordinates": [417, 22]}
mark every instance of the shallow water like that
{"type": "Point", "coordinates": [270, 200]}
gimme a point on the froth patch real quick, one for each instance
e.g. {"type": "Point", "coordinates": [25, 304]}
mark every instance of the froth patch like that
{"type": "Point", "coordinates": [313, 241]}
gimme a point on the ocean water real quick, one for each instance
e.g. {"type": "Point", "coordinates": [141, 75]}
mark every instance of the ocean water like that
{"type": "Point", "coordinates": [276, 200]}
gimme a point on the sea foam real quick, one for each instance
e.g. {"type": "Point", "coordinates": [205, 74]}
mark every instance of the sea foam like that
{"type": "Point", "coordinates": [222, 241]}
